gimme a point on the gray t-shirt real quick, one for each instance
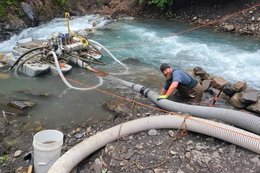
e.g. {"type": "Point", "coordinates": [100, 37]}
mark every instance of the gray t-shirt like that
{"type": "Point", "coordinates": [183, 78]}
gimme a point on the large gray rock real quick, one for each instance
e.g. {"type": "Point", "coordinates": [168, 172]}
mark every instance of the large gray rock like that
{"type": "Point", "coordinates": [254, 107]}
{"type": "Point", "coordinates": [249, 96]}
{"type": "Point", "coordinates": [19, 104]}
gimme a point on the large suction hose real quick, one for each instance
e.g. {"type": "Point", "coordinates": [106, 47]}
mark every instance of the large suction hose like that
{"type": "Point", "coordinates": [66, 82]}
{"type": "Point", "coordinates": [240, 119]}
{"type": "Point", "coordinates": [111, 55]}
{"type": "Point", "coordinates": [228, 133]}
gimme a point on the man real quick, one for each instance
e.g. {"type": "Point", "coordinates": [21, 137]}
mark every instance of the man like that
{"type": "Point", "coordinates": [178, 80]}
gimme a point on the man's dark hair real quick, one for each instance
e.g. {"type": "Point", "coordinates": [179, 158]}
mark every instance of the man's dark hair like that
{"type": "Point", "coordinates": [164, 66]}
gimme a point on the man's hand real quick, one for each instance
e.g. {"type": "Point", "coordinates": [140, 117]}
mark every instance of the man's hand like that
{"type": "Point", "coordinates": [162, 97]}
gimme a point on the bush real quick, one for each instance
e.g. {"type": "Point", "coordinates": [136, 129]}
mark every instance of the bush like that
{"type": "Point", "coordinates": [162, 4]}
{"type": "Point", "coordinates": [5, 3]}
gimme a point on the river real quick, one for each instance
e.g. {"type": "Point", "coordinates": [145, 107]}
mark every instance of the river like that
{"type": "Point", "coordinates": [142, 45]}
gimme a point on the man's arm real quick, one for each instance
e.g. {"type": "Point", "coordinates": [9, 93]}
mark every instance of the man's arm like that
{"type": "Point", "coordinates": [163, 91]}
{"type": "Point", "coordinates": [172, 88]}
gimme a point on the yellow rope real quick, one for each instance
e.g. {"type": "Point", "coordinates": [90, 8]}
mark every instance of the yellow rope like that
{"type": "Point", "coordinates": [82, 39]}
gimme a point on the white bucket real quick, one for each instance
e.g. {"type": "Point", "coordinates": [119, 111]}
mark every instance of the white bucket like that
{"type": "Point", "coordinates": [47, 149]}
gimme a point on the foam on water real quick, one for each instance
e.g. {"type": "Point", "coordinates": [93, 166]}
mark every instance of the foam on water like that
{"type": "Point", "coordinates": [45, 31]}
{"type": "Point", "coordinates": [232, 58]}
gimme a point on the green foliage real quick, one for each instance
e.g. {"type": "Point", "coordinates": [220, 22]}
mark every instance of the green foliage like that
{"type": "Point", "coordinates": [5, 3]}
{"type": "Point", "coordinates": [2, 10]}
{"type": "Point", "coordinates": [100, 2]}
{"type": "Point", "coordinates": [3, 159]}
{"type": "Point", "coordinates": [162, 4]}
{"type": "Point", "coordinates": [61, 3]}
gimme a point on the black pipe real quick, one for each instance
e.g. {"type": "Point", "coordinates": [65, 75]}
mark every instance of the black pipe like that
{"type": "Point", "coordinates": [24, 54]}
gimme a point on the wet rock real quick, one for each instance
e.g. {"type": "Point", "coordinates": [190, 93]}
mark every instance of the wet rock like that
{"type": "Point", "coordinates": [249, 96]}
{"type": "Point", "coordinates": [198, 71]}
{"type": "Point", "coordinates": [20, 104]}
{"type": "Point", "coordinates": [218, 82]}
{"type": "Point", "coordinates": [239, 86]}
{"type": "Point", "coordinates": [228, 90]}
{"type": "Point", "coordinates": [206, 84]}
{"type": "Point", "coordinates": [235, 101]}
{"type": "Point", "coordinates": [118, 108]}
{"type": "Point", "coordinates": [254, 107]}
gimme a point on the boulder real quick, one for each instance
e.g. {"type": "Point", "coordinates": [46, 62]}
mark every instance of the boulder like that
{"type": "Point", "coordinates": [254, 107]}
{"type": "Point", "coordinates": [239, 86]}
{"type": "Point", "coordinates": [235, 101]}
{"type": "Point", "coordinates": [28, 9]}
{"type": "Point", "coordinates": [21, 104]}
{"type": "Point", "coordinates": [198, 71]}
{"type": "Point", "coordinates": [228, 90]}
{"type": "Point", "coordinates": [219, 82]}
{"type": "Point", "coordinates": [229, 27]}
{"type": "Point", "coordinates": [249, 96]}
{"type": "Point", "coordinates": [206, 84]}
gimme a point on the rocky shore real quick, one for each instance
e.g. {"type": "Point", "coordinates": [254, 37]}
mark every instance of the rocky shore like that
{"type": "Point", "coordinates": [237, 17]}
